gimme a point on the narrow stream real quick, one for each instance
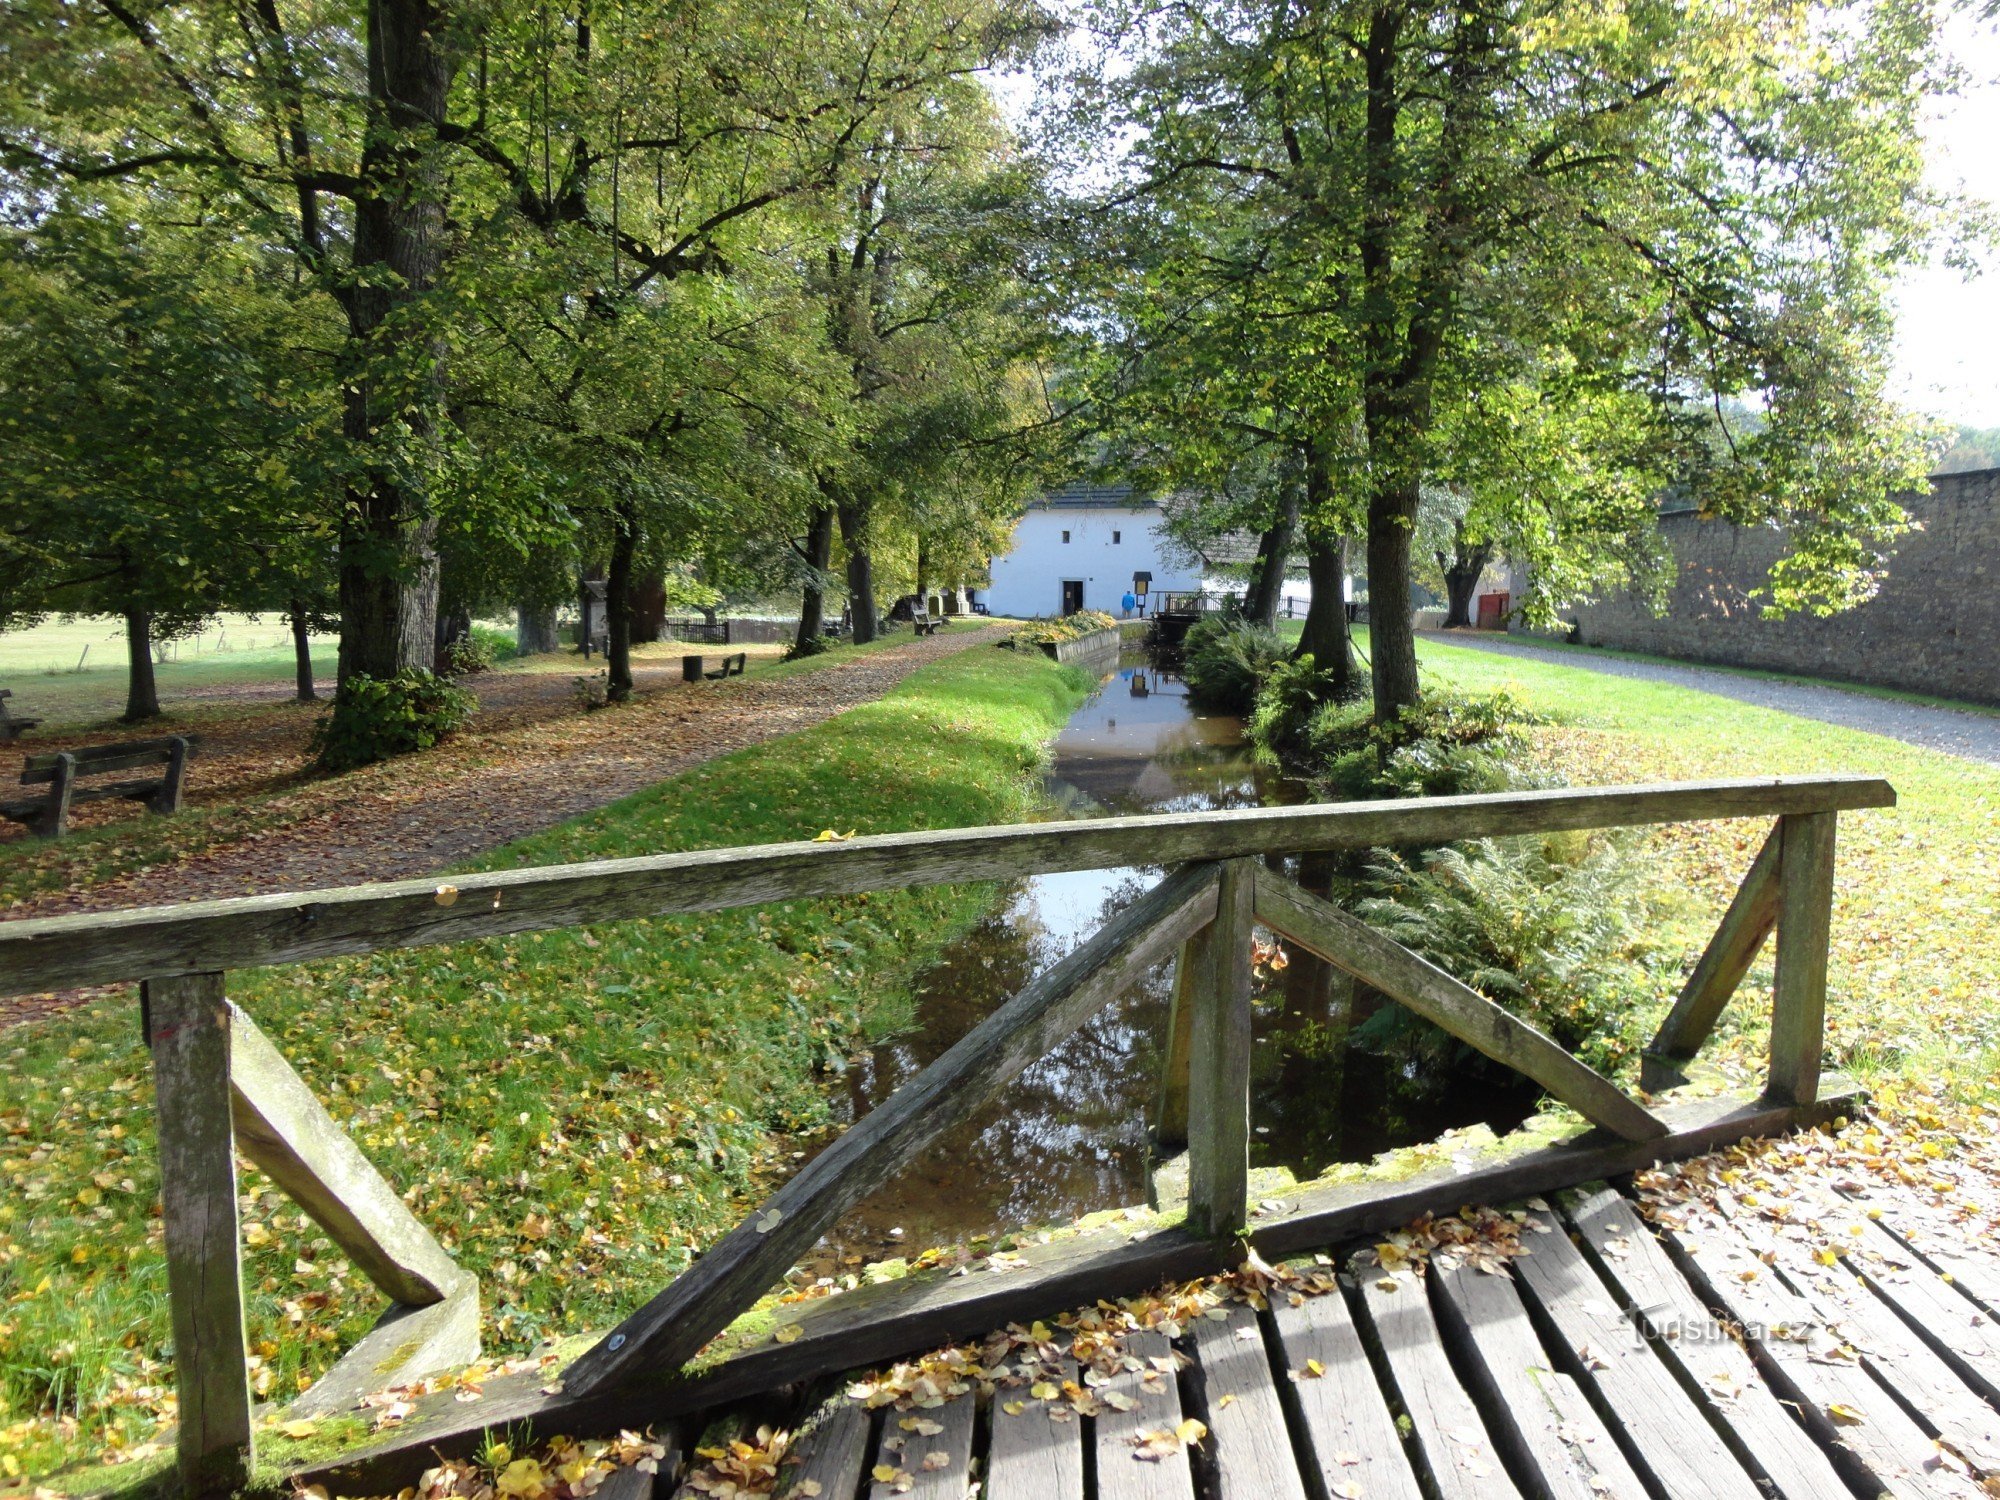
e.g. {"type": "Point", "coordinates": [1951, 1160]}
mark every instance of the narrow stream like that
{"type": "Point", "coordinates": [1069, 1136]}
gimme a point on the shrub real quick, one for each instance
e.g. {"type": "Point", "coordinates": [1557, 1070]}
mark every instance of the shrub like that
{"type": "Point", "coordinates": [374, 718]}
{"type": "Point", "coordinates": [465, 656]}
{"type": "Point", "coordinates": [1546, 927]}
{"type": "Point", "coordinates": [1447, 743]}
{"type": "Point", "coordinates": [1226, 663]}
{"type": "Point", "coordinates": [1068, 628]}
{"type": "Point", "coordinates": [501, 645]}
{"type": "Point", "coordinates": [812, 645]}
{"type": "Point", "coordinates": [1294, 692]}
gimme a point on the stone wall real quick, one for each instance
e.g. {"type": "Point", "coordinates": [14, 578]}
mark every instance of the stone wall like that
{"type": "Point", "coordinates": [1934, 626]}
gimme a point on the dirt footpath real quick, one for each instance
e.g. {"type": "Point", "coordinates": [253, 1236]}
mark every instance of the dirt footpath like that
{"type": "Point", "coordinates": [531, 759]}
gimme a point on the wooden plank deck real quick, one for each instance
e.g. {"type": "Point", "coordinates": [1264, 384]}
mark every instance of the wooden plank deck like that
{"type": "Point", "coordinates": [1714, 1356]}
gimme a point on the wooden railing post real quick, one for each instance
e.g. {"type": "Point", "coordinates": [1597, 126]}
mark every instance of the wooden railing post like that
{"type": "Point", "coordinates": [1218, 964]}
{"type": "Point", "coordinates": [1805, 923]}
{"type": "Point", "coordinates": [188, 1026]}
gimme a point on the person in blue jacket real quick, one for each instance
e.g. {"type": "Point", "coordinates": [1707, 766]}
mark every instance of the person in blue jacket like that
{"type": "Point", "coordinates": [1130, 601]}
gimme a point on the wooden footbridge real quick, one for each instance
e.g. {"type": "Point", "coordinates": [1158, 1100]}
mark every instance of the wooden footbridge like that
{"type": "Point", "coordinates": [1600, 1367]}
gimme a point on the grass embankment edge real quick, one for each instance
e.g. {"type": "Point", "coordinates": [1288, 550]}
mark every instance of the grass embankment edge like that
{"type": "Point", "coordinates": [574, 1112]}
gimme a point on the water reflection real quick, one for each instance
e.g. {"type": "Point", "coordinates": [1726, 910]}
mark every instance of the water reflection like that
{"type": "Point", "coordinates": [1070, 1135]}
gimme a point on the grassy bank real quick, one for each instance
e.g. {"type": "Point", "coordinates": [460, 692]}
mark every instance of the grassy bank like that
{"type": "Point", "coordinates": [1915, 1002]}
{"type": "Point", "coordinates": [575, 1113]}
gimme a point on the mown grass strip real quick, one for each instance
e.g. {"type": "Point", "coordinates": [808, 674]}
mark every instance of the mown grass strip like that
{"type": "Point", "coordinates": [574, 1113]}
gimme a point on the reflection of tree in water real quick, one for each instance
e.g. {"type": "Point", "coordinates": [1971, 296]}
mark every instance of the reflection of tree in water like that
{"type": "Point", "coordinates": [1066, 1137]}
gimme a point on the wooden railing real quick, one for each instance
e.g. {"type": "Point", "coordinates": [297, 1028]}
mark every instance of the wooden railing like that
{"type": "Point", "coordinates": [222, 1087]}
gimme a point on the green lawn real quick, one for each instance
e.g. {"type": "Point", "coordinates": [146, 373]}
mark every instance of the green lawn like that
{"type": "Point", "coordinates": [73, 671]}
{"type": "Point", "coordinates": [1865, 689]}
{"type": "Point", "coordinates": [574, 1112]}
{"type": "Point", "coordinates": [1915, 1001]}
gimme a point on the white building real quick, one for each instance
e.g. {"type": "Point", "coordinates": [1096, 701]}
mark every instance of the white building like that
{"type": "Point", "coordinates": [1085, 547]}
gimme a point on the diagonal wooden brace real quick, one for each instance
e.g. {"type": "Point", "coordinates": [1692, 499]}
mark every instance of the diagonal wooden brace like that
{"type": "Point", "coordinates": [1435, 995]}
{"type": "Point", "coordinates": [752, 1257]}
{"type": "Point", "coordinates": [1738, 939]}
{"type": "Point", "coordinates": [283, 1128]}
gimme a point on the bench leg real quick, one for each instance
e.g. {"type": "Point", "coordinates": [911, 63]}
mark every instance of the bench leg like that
{"type": "Point", "coordinates": [168, 798]}
{"type": "Point", "coordinates": [54, 820]}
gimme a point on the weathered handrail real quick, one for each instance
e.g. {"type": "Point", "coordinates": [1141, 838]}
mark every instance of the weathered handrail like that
{"type": "Point", "coordinates": [211, 1062]}
{"type": "Point", "coordinates": [197, 937]}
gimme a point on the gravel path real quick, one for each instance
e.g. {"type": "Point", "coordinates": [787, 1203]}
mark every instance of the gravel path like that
{"type": "Point", "coordinates": [530, 760]}
{"type": "Point", "coordinates": [1961, 732]}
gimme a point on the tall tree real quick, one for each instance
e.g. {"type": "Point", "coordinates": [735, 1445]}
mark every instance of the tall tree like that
{"type": "Point", "coordinates": [158, 461]}
{"type": "Point", "coordinates": [1664, 203]}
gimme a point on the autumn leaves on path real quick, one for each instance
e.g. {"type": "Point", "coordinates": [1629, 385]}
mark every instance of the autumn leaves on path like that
{"type": "Point", "coordinates": [415, 815]}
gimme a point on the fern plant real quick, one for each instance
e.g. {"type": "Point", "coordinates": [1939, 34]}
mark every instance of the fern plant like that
{"type": "Point", "coordinates": [1226, 662]}
{"type": "Point", "coordinates": [1547, 928]}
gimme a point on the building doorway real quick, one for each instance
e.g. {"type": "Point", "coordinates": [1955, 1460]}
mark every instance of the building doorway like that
{"type": "Point", "coordinates": [1072, 595]}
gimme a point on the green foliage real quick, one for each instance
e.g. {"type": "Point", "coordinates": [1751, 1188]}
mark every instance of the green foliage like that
{"type": "Point", "coordinates": [1972, 449]}
{"type": "Point", "coordinates": [1424, 246]}
{"type": "Point", "coordinates": [1446, 744]}
{"type": "Point", "coordinates": [812, 645]}
{"type": "Point", "coordinates": [1226, 663]}
{"type": "Point", "coordinates": [374, 718]}
{"type": "Point", "coordinates": [1556, 929]}
{"type": "Point", "coordinates": [467, 656]}
{"type": "Point", "coordinates": [1067, 628]}
{"type": "Point", "coordinates": [1295, 692]}
{"type": "Point", "coordinates": [493, 1081]}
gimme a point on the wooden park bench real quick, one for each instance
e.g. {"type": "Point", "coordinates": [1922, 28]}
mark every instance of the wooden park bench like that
{"type": "Point", "coordinates": [12, 727]}
{"type": "Point", "coordinates": [695, 668]}
{"type": "Point", "coordinates": [66, 772]}
{"type": "Point", "coordinates": [928, 624]}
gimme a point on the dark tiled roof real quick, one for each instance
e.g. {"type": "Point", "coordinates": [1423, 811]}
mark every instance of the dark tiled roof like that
{"type": "Point", "coordinates": [1079, 496]}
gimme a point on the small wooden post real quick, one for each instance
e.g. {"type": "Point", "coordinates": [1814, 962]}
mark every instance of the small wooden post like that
{"type": "Point", "coordinates": [1805, 921]}
{"type": "Point", "coordinates": [168, 798]}
{"type": "Point", "coordinates": [1219, 1060]}
{"type": "Point", "coordinates": [189, 1019]}
{"type": "Point", "coordinates": [54, 820]}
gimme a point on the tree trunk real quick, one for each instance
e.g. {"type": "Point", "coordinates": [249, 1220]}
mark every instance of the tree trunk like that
{"type": "Point", "coordinates": [535, 630]}
{"type": "Point", "coordinates": [452, 625]}
{"type": "Point", "coordinates": [388, 555]}
{"type": "Point", "coordinates": [1392, 642]}
{"type": "Point", "coordinates": [618, 603]}
{"type": "Point", "coordinates": [1462, 571]}
{"type": "Point", "coordinates": [1274, 552]}
{"type": "Point", "coordinates": [819, 557]}
{"type": "Point", "coordinates": [302, 656]}
{"type": "Point", "coordinates": [142, 693]}
{"type": "Point", "coordinates": [860, 570]}
{"type": "Point", "coordinates": [1325, 637]}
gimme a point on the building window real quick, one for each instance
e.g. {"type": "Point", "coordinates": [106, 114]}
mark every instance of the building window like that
{"type": "Point", "coordinates": [1117, 537]}
{"type": "Point", "coordinates": [1065, 536]}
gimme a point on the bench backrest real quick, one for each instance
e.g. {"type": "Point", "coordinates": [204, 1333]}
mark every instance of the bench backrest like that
{"type": "Point", "coordinates": [102, 760]}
